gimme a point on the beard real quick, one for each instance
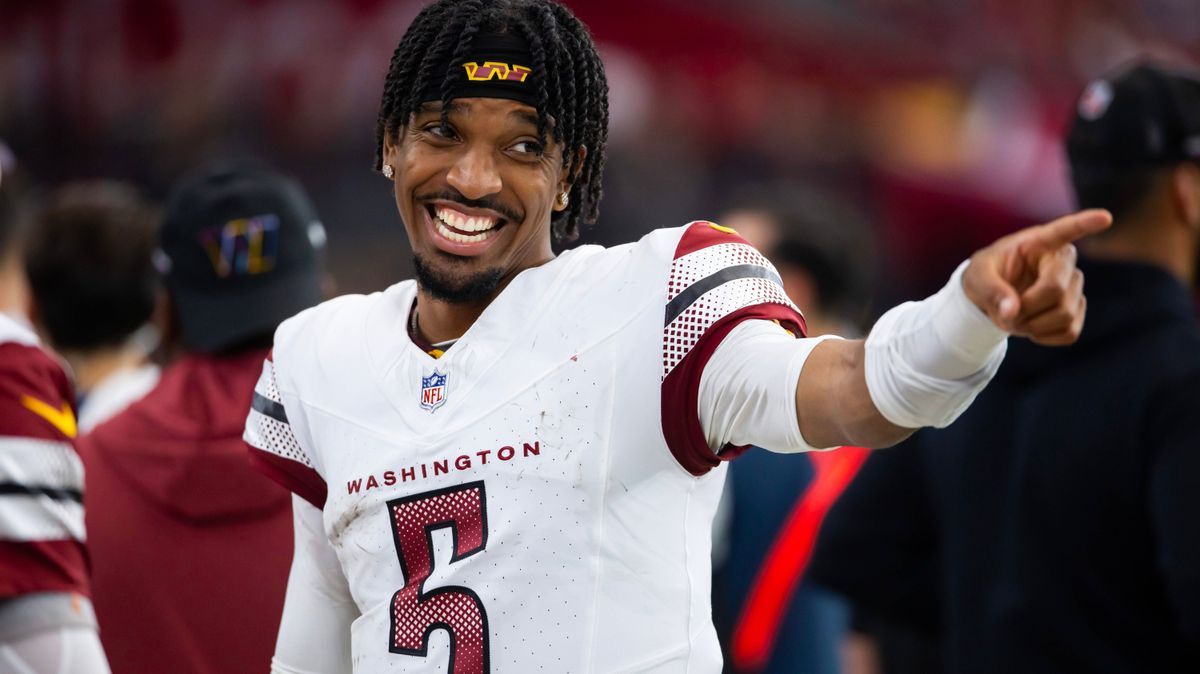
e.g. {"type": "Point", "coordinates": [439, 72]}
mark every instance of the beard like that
{"type": "Point", "coordinates": [443, 282]}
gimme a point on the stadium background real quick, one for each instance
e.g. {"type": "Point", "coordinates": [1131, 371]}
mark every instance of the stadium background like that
{"type": "Point", "coordinates": [936, 121]}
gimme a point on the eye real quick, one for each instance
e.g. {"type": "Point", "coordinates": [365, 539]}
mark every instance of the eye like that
{"type": "Point", "coordinates": [438, 130]}
{"type": "Point", "coordinates": [527, 147]}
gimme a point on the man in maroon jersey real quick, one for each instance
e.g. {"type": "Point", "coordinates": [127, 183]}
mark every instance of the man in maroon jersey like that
{"type": "Point", "coordinates": [46, 619]}
{"type": "Point", "coordinates": [190, 545]}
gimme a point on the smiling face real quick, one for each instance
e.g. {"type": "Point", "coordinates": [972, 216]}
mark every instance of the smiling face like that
{"type": "Point", "coordinates": [475, 195]}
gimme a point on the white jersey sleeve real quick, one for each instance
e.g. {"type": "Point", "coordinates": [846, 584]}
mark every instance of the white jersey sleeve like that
{"type": "Point", "coordinates": [314, 632]}
{"type": "Point", "coordinates": [748, 389]}
{"type": "Point", "coordinates": [275, 449]}
{"type": "Point", "coordinates": [716, 281]}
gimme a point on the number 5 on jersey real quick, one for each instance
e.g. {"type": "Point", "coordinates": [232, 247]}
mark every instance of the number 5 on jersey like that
{"type": "Point", "coordinates": [417, 613]}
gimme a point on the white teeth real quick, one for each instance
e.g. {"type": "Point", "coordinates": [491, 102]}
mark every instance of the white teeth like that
{"type": "Point", "coordinates": [462, 222]}
{"type": "Point", "coordinates": [461, 238]}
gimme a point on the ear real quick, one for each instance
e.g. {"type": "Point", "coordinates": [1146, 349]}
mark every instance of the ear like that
{"type": "Point", "coordinates": [1185, 193]}
{"type": "Point", "coordinates": [569, 177]}
{"type": "Point", "coordinates": [391, 147]}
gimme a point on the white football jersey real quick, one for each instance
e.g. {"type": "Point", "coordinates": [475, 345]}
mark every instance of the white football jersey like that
{"type": "Point", "coordinates": [540, 498]}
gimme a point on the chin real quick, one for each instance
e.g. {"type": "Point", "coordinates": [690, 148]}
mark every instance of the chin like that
{"type": "Point", "coordinates": [445, 279]}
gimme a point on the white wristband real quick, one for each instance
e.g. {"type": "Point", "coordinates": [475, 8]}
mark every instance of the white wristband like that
{"type": "Point", "coordinates": [926, 361]}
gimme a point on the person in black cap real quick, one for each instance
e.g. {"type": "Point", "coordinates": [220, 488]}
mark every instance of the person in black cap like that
{"type": "Point", "coordinates": [1053, 528]}
{"type": "Point", "coordinates": [190, 546]}
{"type": "Point", "coordinates": [242, 246]}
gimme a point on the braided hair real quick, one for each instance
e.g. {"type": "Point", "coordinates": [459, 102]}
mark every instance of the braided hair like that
{"type": "Point", "coordinates": [572, 89]}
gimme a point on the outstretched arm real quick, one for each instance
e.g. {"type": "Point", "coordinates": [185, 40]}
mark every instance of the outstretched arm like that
{"type": "Point", "coordinates": [925, 361]}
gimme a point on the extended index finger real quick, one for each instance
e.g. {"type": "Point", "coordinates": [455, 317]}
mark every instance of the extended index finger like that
{"type": "Point", "coordinates": [1069, 228]}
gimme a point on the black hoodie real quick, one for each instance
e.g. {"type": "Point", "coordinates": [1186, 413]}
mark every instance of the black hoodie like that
{"type": "Point", "coordinates": [1055, 527]}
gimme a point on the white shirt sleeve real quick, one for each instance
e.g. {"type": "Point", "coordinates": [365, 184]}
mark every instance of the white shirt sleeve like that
{"type": "Point", "coordinates": [314, 633]}
{"type": "Point", "coordinates": [748, 388]}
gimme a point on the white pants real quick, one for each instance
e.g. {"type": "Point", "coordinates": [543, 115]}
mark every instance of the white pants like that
{"type": "Point", "coordinates": [61, 650]}
{"type": "Point", "coordinates": [50, 633]}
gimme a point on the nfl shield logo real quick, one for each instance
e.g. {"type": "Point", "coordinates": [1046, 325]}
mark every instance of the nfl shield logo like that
{"type": "Point", "coordinates": [433, 391]}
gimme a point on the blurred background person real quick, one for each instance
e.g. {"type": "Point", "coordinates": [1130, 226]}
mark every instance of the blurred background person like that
{"type": "Point", "coordinates": [1037, 535]}
{"type": "Point", "coordinates": [88, 258]}
{"type": "Point", "coordinates": [191, 547]}
{"type": "Point", "coordinates": [823, 248]}
{"type": "Point", "coordinates": [768, 618]}
{"type": "Point", "coordinates": [47, 624]}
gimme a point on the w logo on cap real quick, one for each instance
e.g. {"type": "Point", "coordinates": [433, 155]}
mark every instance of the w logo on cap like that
{"type": "Point", "coordinates": [242, 247]}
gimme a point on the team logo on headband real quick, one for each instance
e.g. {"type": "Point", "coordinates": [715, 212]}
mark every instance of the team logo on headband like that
{"type": "Point", "coordinates": [494, 70]}
{"type": "Point", "coordinates": [246, 246]}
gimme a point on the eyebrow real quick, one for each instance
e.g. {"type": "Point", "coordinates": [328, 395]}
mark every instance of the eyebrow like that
{"type": "Point", "coordinates": [436, 106]}
{"type": "Point", "coordinates": [525, 116]}
{"type": "Point", "coordinates": [530, 118]}
{"type": "Point", "coordinates": [456, 107]}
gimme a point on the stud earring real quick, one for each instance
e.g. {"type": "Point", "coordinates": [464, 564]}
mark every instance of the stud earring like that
{"type": "Point", "coordinates": [564, 199]}
{"type": "Point", "coordinates": [388, 172]}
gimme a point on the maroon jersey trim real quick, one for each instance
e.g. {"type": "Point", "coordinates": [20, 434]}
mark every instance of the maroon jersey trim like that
{"type": "Point", "coordinates": [681, 386]}
{"type": "Point", "coordinates": [702, 234]}
{"type": "Point", "coordinates": [681, 390]}
{"type": "Point", "coordinates": [43, 566]}
{"type": "Point", "coordinates": [292, 475]}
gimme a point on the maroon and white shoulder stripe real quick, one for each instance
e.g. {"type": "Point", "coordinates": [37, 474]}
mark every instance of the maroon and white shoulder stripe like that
{"type": "Point", "coordinates": [274, 448]}
{"type": "Point", "coordinates": [41, 477]}
{"type": "Point", "coordinates": [717, 280]}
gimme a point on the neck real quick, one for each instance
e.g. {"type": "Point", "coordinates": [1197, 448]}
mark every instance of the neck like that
{"type": "Point", "coordinates": [14, 289]}
{"type": "Point", "coordinates": [93, 367]}
{"type": "Point", "coordinates": [440, 321]}
{"type": "Point", "coordinates": [1172, 247]}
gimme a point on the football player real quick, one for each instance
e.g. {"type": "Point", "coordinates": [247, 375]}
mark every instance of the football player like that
{"type": "Point", "coordinates": [511, 463]}
{"type": "Point", "coordinates": [47, 623]}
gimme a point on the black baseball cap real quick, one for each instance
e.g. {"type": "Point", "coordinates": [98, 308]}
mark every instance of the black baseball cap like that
{"type": "Point", "coordinates": [243, 252]}
{"type": "Point", "coordinates": [1144, 115]}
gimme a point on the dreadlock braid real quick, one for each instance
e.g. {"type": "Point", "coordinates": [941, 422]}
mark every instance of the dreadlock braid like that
{"type": "Point", "coordinates": [436, 53]}
{"type": "Point", "coordinates": [401, 70]}
{"type": "Point", "coordinates": [586, 203]}
{"type": "Point", "coordinates": [571, 86]}
{"type": "Point", "coordinates": [563, 81]}
{"type": "Point", "coordinates": [538, 50]}
{"type": "Point", "coordinates": [465, 38]}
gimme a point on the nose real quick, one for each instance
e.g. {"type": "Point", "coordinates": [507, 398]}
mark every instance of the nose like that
{"type": "Point", "coordinates": [474, 174]}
